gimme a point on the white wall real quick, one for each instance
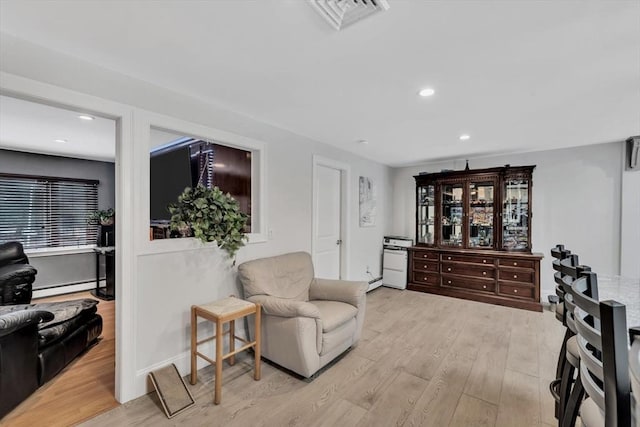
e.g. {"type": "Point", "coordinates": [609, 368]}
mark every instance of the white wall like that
{"type": "Point", "coordinates": [630, 223]}
{"type": "Point", "coordinates": [576, 202]}
{"type": "Point", "coordinates": [168, 283]}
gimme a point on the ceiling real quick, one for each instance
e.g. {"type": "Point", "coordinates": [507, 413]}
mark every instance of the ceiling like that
{"type": "Point", "coordinates": [32, 127]}
{"type": "Point", "coordinates": [516, 76]}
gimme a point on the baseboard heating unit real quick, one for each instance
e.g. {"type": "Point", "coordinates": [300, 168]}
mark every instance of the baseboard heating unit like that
{"type": "Point", "coordinates": [374, 283]}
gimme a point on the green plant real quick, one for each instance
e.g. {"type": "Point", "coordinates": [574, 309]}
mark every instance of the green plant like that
{"type": "Point", "coordinates": [210, 215]}
{"type": "Point", "coordinates": [104, 217]}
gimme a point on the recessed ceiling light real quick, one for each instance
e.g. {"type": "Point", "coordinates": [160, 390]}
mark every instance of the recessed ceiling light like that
{"type": "Point", "coordinates": [219, 165]}
{"type": "Point", "coordinates": [363, 141]}
{"type": "Point", "coordinates": [426, 92]}
{"type": "Point", "coordinates": [464, 137]}
{"type": "Point", "coordinates": [60, 140]}
{"type": "Point", "coordinates": [85, 117]}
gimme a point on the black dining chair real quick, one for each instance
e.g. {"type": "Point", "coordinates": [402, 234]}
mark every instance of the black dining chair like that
{"type": "Point", "coordinates": [634, 374]}
{"type": "Point", "coordinates": [567, 270]}
{"type": "Point", "coordinates": [604, 358]}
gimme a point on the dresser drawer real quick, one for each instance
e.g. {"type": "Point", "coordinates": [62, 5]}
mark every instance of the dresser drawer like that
{"type": "Point", "coordinates": [468, 283]}
{"type": "Point", "coordinates": [420, 265]}
{"type": "Point", "coordinates": [431, 255]}
{"type": "Point", "coordinates": [516, 290]}
{"type": "Point", "coordinates": [430, 278]}
{"type": "Point", "coordinates": [474, 259]}
{"type": "Point", "coordinates": [487, 272]}
{"type": "Point", "coordinates": [514, 262]}
{"type": "Point", "coordinates": [516, 275]}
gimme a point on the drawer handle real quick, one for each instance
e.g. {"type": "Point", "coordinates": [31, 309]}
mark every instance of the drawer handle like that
{"type": "Point", "coordinates": [515, 264]}
{"type": "Point", "coordinates": [424, 279]}
{"type": "Point", "coordinates": [449, 269]}
{"type": "Point", "coordinates": [448, 282]}
{"type": "Point", "coordinates": [515, 291]}
{"type": "Point", "coordinates": [484, 273]}
{"type": "Point", "coordinates": [424, 256]}
{"type": "Point", "coordinates": [484, 261]}
{"type": "Point", "coordinates": [426, 266]}
{"type": "Point", "coordinates": [448, 257]}
{"type": "Point", "coordinates": [515, 276]}
{"type": "Point", "coordinates": [484, 286]}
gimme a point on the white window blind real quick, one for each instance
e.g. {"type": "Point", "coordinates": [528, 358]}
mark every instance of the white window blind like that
{"type": "Point", "coordinates": [46, 212]}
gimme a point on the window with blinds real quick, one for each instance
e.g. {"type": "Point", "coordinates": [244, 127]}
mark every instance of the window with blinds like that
{"type": "Point", "coordinates": [46, 212]}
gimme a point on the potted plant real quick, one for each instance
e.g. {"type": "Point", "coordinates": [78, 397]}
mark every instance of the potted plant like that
{"type": "Point", "coordinates": [102, 217]}
{"type": "Point", "coordinates": [210, 215]}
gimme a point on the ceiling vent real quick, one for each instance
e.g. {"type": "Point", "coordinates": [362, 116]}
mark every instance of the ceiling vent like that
{"type": "Point", "coordinates": [340, 13]}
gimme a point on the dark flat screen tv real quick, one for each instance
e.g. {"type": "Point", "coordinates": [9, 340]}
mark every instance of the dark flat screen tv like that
{"type": "Point", "coordinates": [170, 174]}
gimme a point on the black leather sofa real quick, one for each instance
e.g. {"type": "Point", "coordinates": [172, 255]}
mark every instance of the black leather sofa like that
{"type": "Point", "coordinates": [38, 340]}
{"type": "Point", "coordinates": [16, 275]}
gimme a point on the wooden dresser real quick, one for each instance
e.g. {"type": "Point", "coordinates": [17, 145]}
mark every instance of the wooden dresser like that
{"type": "Point", "coordinates": [504, 278]}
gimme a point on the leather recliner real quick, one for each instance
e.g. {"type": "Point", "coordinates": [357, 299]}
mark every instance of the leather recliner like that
{"type": "Point", "coordinates": [16, 275]}
{"type": "Point", "coordinates": [38, 340]}
{"type": "Point", "coordinates": [306, 322]}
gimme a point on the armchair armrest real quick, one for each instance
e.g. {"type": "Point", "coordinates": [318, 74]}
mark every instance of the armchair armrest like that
{"type": "Point", "coordinates": [15, 320]}
{"type": "Point", "coordinates": [285, 307]}
{"type": "Point", "coordinates": [347, 291]}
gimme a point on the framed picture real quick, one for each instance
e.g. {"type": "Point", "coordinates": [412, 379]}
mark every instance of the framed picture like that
{"type": "Point", "coordinates": [367, 199]}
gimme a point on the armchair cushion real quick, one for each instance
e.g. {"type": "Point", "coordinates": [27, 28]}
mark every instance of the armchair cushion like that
{"type": "Point", "coordinates": [11, 321]}
{"type": "Point", "coordinates": [347, 291]}
{"type": "Point", "coordinates": [16, 274]}
{"type": "Point", "coordinates": [280, 276]}
{"type": "Point", "coordinates": [334, 313]}
{"type": "Point", "coordinates": [285, 307]}
{"type": "Point", "coordinates": [12, 253]}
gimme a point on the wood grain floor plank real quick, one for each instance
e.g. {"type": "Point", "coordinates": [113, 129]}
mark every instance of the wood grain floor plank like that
{"type": "Point", "coordinates": [472, 412]}
{"type": "Point", "coordinates": [396, 403]}
{"type": "Point", "coordinates": [438, 403]}
{"type": "Point", "coordinates": [519, 401]}
{"type": "Point", "coordinates": [487, 373]}
{"type": "Point", "coordinates": [340, 413]}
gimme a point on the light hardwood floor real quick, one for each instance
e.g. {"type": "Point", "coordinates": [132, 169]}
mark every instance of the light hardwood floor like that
{"type": "Point", "coordinates": [83, 389]}
{"type": "Point", "coordinates": [424, 360]}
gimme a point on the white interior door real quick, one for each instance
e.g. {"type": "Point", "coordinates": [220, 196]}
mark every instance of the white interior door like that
{"type": "Point", "coordinates": [327, 211]}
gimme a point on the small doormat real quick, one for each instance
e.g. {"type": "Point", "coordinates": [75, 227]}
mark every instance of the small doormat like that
{"type": "Point", "coordinates": [172, 391]}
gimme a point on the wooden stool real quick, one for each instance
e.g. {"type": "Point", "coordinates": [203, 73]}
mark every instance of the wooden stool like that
{"type": "Point", "coordinates": [220, 312]}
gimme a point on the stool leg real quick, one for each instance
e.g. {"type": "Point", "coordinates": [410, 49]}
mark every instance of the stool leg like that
{"type": "Point", "coordinates": [256, 347]}
{"type": "Point", "coordinates": [194, 346]}
{"type": "Point", "coordinates": [219, 345]}
{"type": "Point", "coordinates": [232, 341]}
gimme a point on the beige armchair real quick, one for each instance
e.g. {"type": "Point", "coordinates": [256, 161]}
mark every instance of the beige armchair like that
{"type": "Point", "coordinates": [306, 322]}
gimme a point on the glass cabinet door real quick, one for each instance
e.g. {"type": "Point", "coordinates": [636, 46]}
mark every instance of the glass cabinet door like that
{"type": "Point", "coordinates": [452, 214]}
{"type": "Point", "coordinates": [426, 214]}
{"type": "Point", "coordinates": [515, 215]}
{"type": "Point", "coordinates": [481, 213]}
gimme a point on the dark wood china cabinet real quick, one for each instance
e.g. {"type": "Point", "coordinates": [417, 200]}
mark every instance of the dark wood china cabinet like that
{"type": "Point", "coordinates": [473, 236]}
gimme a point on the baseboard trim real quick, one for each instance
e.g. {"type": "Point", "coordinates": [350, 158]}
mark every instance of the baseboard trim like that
{"type": "Point", "coordinates": [67, 289]}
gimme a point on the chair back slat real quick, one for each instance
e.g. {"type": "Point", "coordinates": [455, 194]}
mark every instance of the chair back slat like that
{"type": "Point", "coordinates": [568, 266]}
{"type": "Point", "coordinates": [582, 289]}
{"type": "Point", "coordinates": [593, 389]}
{"type": "Point", "coordinates": [585, 330]}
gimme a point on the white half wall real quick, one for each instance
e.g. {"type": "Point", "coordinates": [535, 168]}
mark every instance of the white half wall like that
{"type": "Point", "coordinates": [167, 284]}
{"type": "Point", "coordinates": [576, 202]}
